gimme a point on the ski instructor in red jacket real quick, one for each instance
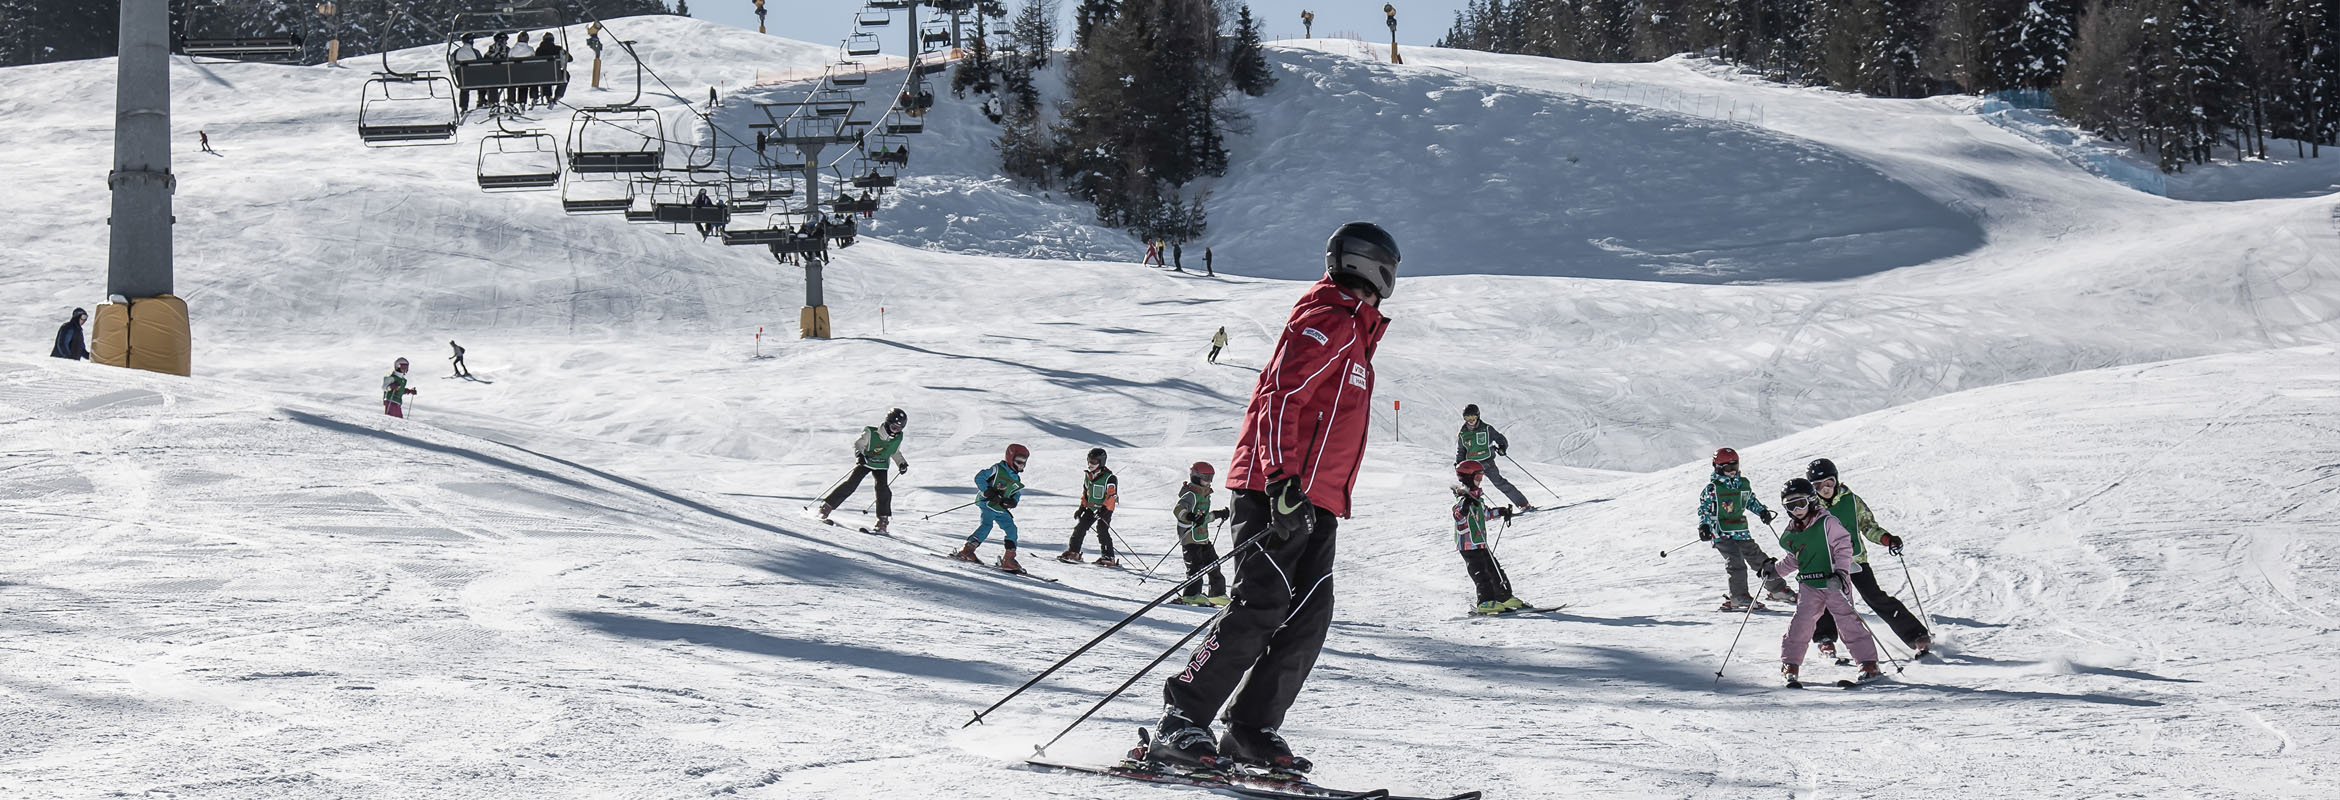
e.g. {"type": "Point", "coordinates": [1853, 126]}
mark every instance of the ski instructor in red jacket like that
{"type": "Point", "coordinates": [1295, 461]}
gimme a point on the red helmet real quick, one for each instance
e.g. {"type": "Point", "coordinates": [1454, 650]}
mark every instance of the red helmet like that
{"type": "Point", "coordinates": [1201, 468]}
{"type": "Point", "coordinates": [1016, 454]}
{"type": "Point", "coordinates": [1468, 469]}
{"type": "Point", "coordinates": [1726, 456]}
{"type": "Point", "coordinates": [401, 365]}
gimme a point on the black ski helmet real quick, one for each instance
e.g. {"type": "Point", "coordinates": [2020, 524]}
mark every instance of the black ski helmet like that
{"type": "Point", "coordinates": [1797, 488]}
{"type": "Point", "coordinates": [1820, 468]}
{"type": "Point", "coordinates": [1364, 252]}
{"type": "Point", "coordinates": [1471, 410]}
{"type": "Point", "coordinates": [895, 420]}
{"type": "Point", "coordinates": [1097, 456]}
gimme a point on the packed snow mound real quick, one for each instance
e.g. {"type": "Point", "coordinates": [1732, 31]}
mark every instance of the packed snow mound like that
{"type": "Point", "coordinates": [1472, 178]}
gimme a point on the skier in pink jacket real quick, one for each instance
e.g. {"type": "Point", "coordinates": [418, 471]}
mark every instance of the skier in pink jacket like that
{"type": "Point", "coordinates": [1820, 555]}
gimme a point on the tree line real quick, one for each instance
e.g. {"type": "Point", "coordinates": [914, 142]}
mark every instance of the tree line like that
{"type": "Point", "coordinates": [1142, 115]}
{"type": "Point", "coordinates": [42, 31]}
{"type": "Point", "coordinates": [2181, 80]}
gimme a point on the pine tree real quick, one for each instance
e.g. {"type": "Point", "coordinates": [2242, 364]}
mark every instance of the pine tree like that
{"type": "Point", "coordinates": [1035, 32]}
{"type": "Point", "coordinates": [1088, 17]}
{"type": "Point", "coordinates": [1246, 64]}
{"type": "Point", "coordinates": [682, 8]}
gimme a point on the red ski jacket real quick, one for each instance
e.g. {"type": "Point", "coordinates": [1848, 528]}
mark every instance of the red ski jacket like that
{"type": "Point", "coordinates": [1309, 414]}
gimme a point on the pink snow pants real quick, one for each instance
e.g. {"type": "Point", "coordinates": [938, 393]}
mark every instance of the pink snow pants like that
{"type": "Point", "coordinates": [399, 411]}
{"type": "Point", "coordinates": [1810, 604]}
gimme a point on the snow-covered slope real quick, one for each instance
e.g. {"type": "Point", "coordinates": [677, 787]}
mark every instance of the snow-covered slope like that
{"type": "Point", "coordinates": [589, 577]}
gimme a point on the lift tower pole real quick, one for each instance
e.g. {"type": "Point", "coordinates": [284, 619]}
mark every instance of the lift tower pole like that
{"type": "Point", "coordinates": [150, 331]}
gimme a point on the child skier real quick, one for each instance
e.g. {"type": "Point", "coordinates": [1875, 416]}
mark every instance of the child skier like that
{"type": "Point", "coordinates": [1481, 442]}
{"type": "Point", "coordinates": [1819, 552]}
{"type": "Point", "coordinates": [1853, 512]}
{"type": "Point", "coordinates": [1722, 519]}
{"type": "Point", "coordinates": [1195, 516]}
{"type": "Point", "coordinates": [1100, 492]}
{"type": "Point", "coordinates": [395, 390]}
{"type": "Point", "coordinates": [1218, 343]}
{"type": "Point", "coordinates": [1001, 484]}
{"type": "Point", "coordinates": [878, 444]}
{"type": "Point", "coordinates": [1470, 538]}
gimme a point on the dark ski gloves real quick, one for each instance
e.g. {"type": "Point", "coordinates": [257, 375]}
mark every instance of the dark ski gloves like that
{"type": "Point", "coordinates": [1289, 513]}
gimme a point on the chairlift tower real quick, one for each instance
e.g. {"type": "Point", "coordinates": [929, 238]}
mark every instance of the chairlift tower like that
{"type": "Point", "coordinates": [147, 329]}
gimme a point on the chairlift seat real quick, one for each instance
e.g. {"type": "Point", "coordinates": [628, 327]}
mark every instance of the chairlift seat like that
{"type": "Point", "coordinates": [914, 126]}
{"type": "Point", "coordinates": [419, 132]}
{"type": "Point", "coordinates": [933, 68]}
{"type": "Point", "coordinates": [621, 161]}
{"type": "Point", "coordinates": [640, 214]}
{"type": "Point", "coordinates": [515, 74]}
{"type": "Point", "coordinates": [533, 180]}
{"type": "Point", "coordinates": [889, 4]}
{"type": "Point", "coordinates": [873, 19]}
{"type": "Point", "coordinates": [762, 236]}
{"type": "Point", "coordinates": [850, 79]}
{"type": "Point", "coordinates": [688, 214]}
{"type": "Point", "coordinates": [749, 206]}
{"type": "Point", "coordinates": [804, 245]}
{"type": "Point", "coordinates": [269, 49]}
{"type": "Point", "coordinates": [610, 205]}
{"type": "Point", "coordinates": [769, 195]}
{"type": "Point", "coordinates": [890, 157]}
{"type": "Point", "coordinates": [874, 181]}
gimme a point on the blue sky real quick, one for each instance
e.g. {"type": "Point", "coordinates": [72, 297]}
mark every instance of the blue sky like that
{"type": "Point", "coordinates": [830, 20]}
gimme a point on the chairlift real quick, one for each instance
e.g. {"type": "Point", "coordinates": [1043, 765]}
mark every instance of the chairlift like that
{"type": "Point", "coordinates": [874, 17]}
{"type": "Point", "coordinates": [934, 33]}
{"type": "Point", "coordinates": [582, 194]}
{"type": "Point", "coordinates": [512, 160]}
{"type": "Point", "coordinates": [906, 126]}
{"type": "Point", "coordinates": [932, 67]}
{"type": "Point", "coordinates": [784, 232]}
{"type": "Point", "coordinates": [869, 174]}
{"type": "Point", "coordinates": [889, 149]}
{"type": "Point", "coordinates": [889, 4]}
{"type": "Point", "coordinates": [848, 73]}
{"type": "Point", "coordinates": [481, 73]}
{"type": "Point", "coordinates": [832, 102]}
{"type": "Point", "coordinates": [617, 139]}
{"type": "Point", "coordinates": [683, 207]}
{"type": "Point", "coordinates": [398, 108]}
{"type": "Point", "coordinates": [861, 44]}
{"type": "Point", "coordinates": [200, 39]}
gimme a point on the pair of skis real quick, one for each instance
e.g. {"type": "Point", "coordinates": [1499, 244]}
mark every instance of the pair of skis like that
{"type": "Point", "coordinates": [1240, 784]}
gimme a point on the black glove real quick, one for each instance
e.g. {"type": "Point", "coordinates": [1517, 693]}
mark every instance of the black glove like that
{"type": "Point", "coordinates": [1289, 512]}
{"type": "Point", "coordinates": [1767, 516]}
{"type": "Point", "coordinates": [1011, 502]}
{"type": "Point", "coordinates": [1506, 512]}
{"type": "Point", "coordinates": [1770, 565]}
{"type": "Point", "coordinates": [1891, 542]}
{"type": "Point", "coordinates": [1218, 514]}
{"type": "Point", "coordinates": [902, 468]}
{"type": "Point", "coordinates": [1502, 451]}
{"type": "Point", "coordinates": [1705, 533]}
{"type": "Point", "coordinates": [993, 497]}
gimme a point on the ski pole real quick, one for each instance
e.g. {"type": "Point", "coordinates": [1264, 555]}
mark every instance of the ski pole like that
{"type": "Point", "coordinates": [1662, 553]}
{"type": "Point", "coordinates": [1911, 585]}
{"type": "Point", "coordinates": [1532, 477]}
{"type": "Point", "coordinates": [1499, 534]}
{"type": "Point", "coordinates": [1864, 621]}
{"type": "Point", "coordinates": [951, 509]}
{"type": "Point", "coordinates": [1726, 661]}
{"type": "Point", "coordinates": [1042, 750]}
{"type": "Point", "coordinates": [1125, 621]}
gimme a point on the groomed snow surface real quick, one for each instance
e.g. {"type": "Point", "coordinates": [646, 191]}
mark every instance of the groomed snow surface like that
{"type": "Point", "coordinates": [2104, 420]}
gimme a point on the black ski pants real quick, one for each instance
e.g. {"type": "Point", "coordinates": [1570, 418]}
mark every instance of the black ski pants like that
{"type": "Point", "coordinates": [852, 481]}
{"type": "Point", "coordinates": [1896, 615]}
{"type": "Point", "coordinates": [1103, 519]}
{"type": "Point", "coordinates": [1487, 576]}
{"type": "Point", "coordinates": [1265, 643]}
{"type": "Point", "coordinates": [1199, 555]}
{"type": "Point", "coordinates": [1502, 484]}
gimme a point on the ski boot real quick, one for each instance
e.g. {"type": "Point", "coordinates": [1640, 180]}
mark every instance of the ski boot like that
{"type": "Point", "coordinates": [967, 553]}
{"type": "Point", "coordinates": [1869, 672]}
{"type": "Point", "coordinates": [881, 525]}
{"type": "Point", "coordinates": [1523, 510]}
{"type": "Point", "coordinates": [1261, 749]}
{"type": "Point", "coordinates": [1221, 600]}
{"type": "Point", "coordinates": [1192, 600]}
{"type": "Point", "coordinates": [1924, 647]}
{"type": "Point", "coordinates": [825, 509]}
{"type": "Point", "coordinates": [1514, 604]}
{"type": "Point", "coordinates": [1780, 597]}
{"type": "Point", "coordinates": [1069, 556]}
{"type": "Point", "coordinates": [1489, 607]}
{"type": "Point", "coordinates": [1180, 746]}
{"type": "Point", "coordinates": [1007, 561]}
{"type": "Point", "coordinates": [1107, 561]}
{"type": "Point", "coordinates": [1828, 649]}
{"type": "Point", "coordinates": [1794, 680]}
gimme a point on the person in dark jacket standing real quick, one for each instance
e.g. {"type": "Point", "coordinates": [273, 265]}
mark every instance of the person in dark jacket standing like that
{"type": "Point", "coordinates": [1481, 442]}
{"type": "Point", "coordinates": [1296, 460]}
{"type": "Point", "coordinates": [70, 343]}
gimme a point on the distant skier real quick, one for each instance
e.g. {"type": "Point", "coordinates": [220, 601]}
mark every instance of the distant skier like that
{"type": "Point", "coordinates": [1001, 485]}
{"type": "Point", "coordinates": [1470, 539]}
{"type": "Point", "coordinates": [1853, 513]}
{"type": "Point", "coordinates": [1207, 263]}
{"type": "Point", "coordinates": [1218, 342]}
{"type": "Point", "coordinates": [461, 371]}
{"type": "Point", "coordinates": [1153, 254]}
{"type": "Point", "coordinates": [1296, 457]}
{"type": "Point", "coordinates": [1481, 442]}
{"type": "Point", "coordinates": [1195, 516]}
{"type": "Point", "coordinates": [1819, 552]}
{"type": "Point", "coordinates": [203, 139]}
{"type": "Point", "coordinates": [1722, 519]}
{"type": "Point", "coordinates": [878, 445]}
{"type": "Point", "coordinates": [1100, 492]}
{"type": "Point", "coordinates": [1178, 256]}
{"type": "Point", "coordinates": [395, 390]}
{"type": "Point", "coordinates": [71, 344]}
